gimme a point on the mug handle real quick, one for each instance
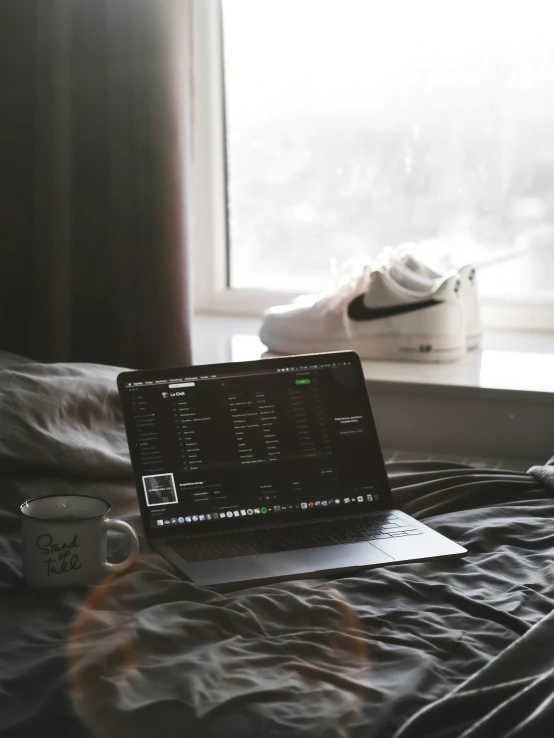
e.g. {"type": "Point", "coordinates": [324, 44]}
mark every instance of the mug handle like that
{"type": "Point", "coordinates": [133, 540]}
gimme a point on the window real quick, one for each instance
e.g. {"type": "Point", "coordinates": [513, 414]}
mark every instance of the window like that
{"type": "Point", "coordinates": [354, 124]}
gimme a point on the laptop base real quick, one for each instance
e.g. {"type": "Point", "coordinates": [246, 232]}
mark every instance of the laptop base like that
{"type": "Point", "coordinates": [317, 561]}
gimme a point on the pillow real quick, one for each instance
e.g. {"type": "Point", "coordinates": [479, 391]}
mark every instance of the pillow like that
{"type": "Point", "coordinates": [62, 417]}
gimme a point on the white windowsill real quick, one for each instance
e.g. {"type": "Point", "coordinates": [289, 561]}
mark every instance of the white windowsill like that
{"type": "Point", "coordinates": [493, 408]}
{"type": "Point", "coordinates": [514, 361]}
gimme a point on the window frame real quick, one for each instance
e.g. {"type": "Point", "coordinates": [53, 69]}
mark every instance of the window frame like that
{"type": "Point", "coordinates": [211, 291]}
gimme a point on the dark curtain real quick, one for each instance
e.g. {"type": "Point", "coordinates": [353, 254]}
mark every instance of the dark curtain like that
{"type": "Point", "coordinates": [95, 134]}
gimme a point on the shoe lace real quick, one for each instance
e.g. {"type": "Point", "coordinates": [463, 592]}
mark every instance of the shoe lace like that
{"type": "Point", "coordinates": [352, 277]}
{"type": "Point", "coordinates": [526, 242]}
{"type": "Point", "coordinates": [447, 254]}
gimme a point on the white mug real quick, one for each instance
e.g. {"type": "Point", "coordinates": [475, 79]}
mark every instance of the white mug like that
{"type": "Point", "coordinates": [64, 540]}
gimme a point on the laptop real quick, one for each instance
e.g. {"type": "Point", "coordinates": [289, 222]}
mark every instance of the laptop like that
{"type": "Point", "coordinates": [264, 470]}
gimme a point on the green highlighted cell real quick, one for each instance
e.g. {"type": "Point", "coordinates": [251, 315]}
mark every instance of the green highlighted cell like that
{"type": "Point", "coordinates": [303, 381]}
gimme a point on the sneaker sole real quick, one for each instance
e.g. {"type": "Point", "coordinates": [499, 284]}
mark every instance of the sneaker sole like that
{"type": "Point", "coordinates": [421, 348]}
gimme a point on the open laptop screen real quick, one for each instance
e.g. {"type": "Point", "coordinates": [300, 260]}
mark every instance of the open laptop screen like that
{"type": "Point", "coordinates": [233, 444]}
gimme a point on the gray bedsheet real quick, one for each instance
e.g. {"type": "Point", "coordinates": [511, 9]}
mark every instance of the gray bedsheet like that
{"type": "Point", "coordinates": [429, 649]}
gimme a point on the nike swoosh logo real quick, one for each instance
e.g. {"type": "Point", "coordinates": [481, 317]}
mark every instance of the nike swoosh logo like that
{"type": "Point", "coordinates": [357, 310]}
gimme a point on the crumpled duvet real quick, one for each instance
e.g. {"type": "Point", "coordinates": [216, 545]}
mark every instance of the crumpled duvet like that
{"type": "Point", "coordinates": [429, 649]}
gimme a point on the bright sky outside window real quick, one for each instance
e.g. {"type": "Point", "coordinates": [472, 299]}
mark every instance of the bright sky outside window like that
{"type": "Point", "coordinates": [356, 124]}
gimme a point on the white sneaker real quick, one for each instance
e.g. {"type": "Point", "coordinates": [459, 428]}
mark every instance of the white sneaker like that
{"type": "Point", "coordinates": [406, 269]}
{"type": "Point", "coordinates": [377, 317]}
{"type": "Point", "coordinates": [414, 274]}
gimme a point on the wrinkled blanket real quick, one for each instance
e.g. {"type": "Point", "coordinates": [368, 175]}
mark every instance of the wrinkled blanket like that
{"type": "Point", "coordinates": [428, 649]}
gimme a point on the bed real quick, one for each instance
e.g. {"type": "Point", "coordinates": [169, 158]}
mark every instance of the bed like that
{"type": "Point", "coordinates": [450, 648]}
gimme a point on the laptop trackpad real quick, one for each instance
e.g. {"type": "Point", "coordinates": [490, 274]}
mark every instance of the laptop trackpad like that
{"type": "Point", "coordinates": [286, 564]}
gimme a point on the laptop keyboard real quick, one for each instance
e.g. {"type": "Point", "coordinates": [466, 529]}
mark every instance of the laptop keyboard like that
{"type": "Point", "coordinates": [294, 537]}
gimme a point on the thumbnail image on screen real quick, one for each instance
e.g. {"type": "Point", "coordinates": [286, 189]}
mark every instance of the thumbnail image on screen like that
{"type": "Point", "coordinates": [159, 489]}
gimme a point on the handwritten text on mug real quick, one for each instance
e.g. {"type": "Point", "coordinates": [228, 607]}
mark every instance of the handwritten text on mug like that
{"type": "Point", "coordinates": [67, 558]}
